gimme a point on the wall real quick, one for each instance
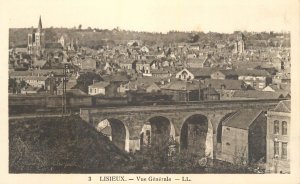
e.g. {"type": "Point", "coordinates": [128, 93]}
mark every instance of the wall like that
{"type": "Point", "coordinates": [282, 164]}
{"type": "Point", "coordinates": [234, 145]}
{"type": "Point", "coordinates": [257, 138]}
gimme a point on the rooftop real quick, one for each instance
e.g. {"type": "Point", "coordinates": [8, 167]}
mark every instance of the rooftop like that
{"type": "Point", "coordinates": [242, 119]}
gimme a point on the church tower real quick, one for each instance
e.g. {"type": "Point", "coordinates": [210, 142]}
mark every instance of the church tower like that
{"type": "Point", "coordinates": [36, 40]}
{"type": "Point", "coordinates": [239, 45]}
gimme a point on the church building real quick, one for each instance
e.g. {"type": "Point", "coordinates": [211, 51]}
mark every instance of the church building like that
{"type": "Point", "coordinates": [36, 40]}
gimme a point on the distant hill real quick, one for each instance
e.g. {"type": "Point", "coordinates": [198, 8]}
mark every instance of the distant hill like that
{"type": "Point", "coordinates": [61, 145]}
{"type": "Point", "coordinates": [94, 38]}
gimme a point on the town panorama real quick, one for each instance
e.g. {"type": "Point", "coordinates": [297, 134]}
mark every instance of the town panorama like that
{"type": "Point", "coordinates": [116, 101]}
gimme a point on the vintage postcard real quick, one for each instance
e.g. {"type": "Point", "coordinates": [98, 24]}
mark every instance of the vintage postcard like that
{"type": "Point", "coordinates": [198, 91]}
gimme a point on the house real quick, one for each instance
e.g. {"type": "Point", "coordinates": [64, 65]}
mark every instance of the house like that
{"type": "Point", "coordinates": [142, 66]}
{"type": "Point", "coordinates": [185, 75]}
{"type": "Point", "coordinates": [224, 74]}
{"type": "Point", "coordinates": [161, 73]}
{"type": "Point", "coordinates": [209, 93]}
{"type": "Point", "coordinates": [283, 88]}
{"type": "Point", "coordinates": [70, 84]}
{"type": "Point", "coordinates": [39, 63]}
{"type": "Point", "coordinates": [144, 49]}
{"type": "Point", "coordinates": [38, 81]}
{"type": "Point", "coordinates": [30, 90]}
{"type": "Point", "coordinates": [194, 73]}
{"type": "Point", "coordinates": [243, 138]}
{"type": "Point", "coordinates": [98, 88]}
{"type": "Point", "coordinates": [147, 84]}
{"type": "Point", "coordinates": [226, 87]}
{"type": "Point", "coordinates": [197, 63]}
{"type": "Point", "coordinates": [182, 91]}
{"type": "Point", "coordinates": [127, 86]}
{"type": "Point", "coordinates": [126, 65]}
{"type": "Point", "coordinates": [278, 138]}
{"type": "Point", "coordinates": [88, 64]}
{"type": "Point", "coordinates": [254, 94]}
{"type": "Point", "coordinates": [258, 79]}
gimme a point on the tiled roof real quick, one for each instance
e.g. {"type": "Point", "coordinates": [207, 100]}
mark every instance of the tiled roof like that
{"type": "Point", "coordinates": [252, 72]}
{"type": "Point", "coordinates": [242, 119]}
{"type": "Point", "coordinates": [198, 72]}
{"type": "Point", "coordinates": [228, 84]}
{"type": "Point", "coordinates": [181, 85]}
{"type": "Point", "coordinates": [116, 78]}
{"type": "Point", "coordinates": [228, 72]}
{"type": "Point", "coordinates": [40, 78]}
{"type": "Point", "coordinates": [254, 94]}
{"type": "Point", "coordinates": [283, 106]}
{"type": "Point", "coordinates": [39, 63]}
{"type": "Point", "coordinates": [100, 84]}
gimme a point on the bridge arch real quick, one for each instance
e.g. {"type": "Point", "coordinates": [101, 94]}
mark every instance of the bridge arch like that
{"type": "Point", "coordinates": [196, 135]}
{"type": "Point", "coordinates": [116, 131]}
{"type": "Point", "coordinates": [157, 132]}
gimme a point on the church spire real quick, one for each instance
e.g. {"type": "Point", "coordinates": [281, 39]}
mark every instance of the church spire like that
{"type": "Point", "coordinates": [40, 24]}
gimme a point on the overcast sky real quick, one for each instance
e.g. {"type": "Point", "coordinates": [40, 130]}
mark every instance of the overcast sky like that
{"type": "Point", "coordinates": [154, 15]}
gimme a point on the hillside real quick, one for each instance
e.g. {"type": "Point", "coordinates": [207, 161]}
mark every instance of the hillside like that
{"type": "Point", "coordinates": [95, 38]}
{"type": "Point", "coordinates": [61, 145]}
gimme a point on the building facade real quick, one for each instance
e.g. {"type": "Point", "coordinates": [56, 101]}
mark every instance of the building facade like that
{"type": "Point", "coordinates": [36, 40]}
{"type": "Point", "coordinates": [278, 135]}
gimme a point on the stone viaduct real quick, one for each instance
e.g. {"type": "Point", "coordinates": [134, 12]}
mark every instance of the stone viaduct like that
{"type": "Point", "coordinates": [195, 127]}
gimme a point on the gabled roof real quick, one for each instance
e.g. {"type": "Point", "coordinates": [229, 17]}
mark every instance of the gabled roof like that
{"type": "Point", "coordinates": [40, 78]}
{"type": "Point", "coordinates": [283, 106]}
{"type": "Point", "coordinates": [101, 84]}
{"type": "Point", "coordinates": [228, 72]}
{"type": "Point", "coordinates": [254, 94]}
{"type": "Point", "coordinates": [242, 119]}
{"type": "Point", "coordinates": [227, 84]}
{"type": "Point", "coordinates": [201, 72]}
{"type": "Point", "coordinates": [210, 91]}
{"type": "Point", "coordinates": [39, 63]}
{"type": "Point", "coordinates": [116, 78]}
{"type": "Point", "coordinates": [251, 72]}
{"type": "Point", "coordinates": [181, 85]}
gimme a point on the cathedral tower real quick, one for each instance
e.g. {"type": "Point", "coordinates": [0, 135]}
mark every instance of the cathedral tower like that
{"type": "Point", "coordinates": [36, 41]}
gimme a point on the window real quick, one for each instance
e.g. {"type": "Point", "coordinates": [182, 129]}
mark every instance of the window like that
{"type": "Point", "coordinates": [276, 127]}
{"type": "Point", "coordinates": [276, 148]}
{"type": "Point", "coordinates": [284, 150]}
{"type": "Point", "coordinates": [284, 128]}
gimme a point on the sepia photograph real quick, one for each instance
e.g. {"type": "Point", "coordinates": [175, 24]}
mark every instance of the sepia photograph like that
{"type": "Point", "coordinates": [149, 87]}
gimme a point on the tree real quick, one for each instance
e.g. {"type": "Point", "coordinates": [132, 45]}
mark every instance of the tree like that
{"type": "Point", "coordinates": [80, 26]}
{"type": "Point", "coordinates": [87, 79]}
{"type": "Point", "coordinates": [12, 84]}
